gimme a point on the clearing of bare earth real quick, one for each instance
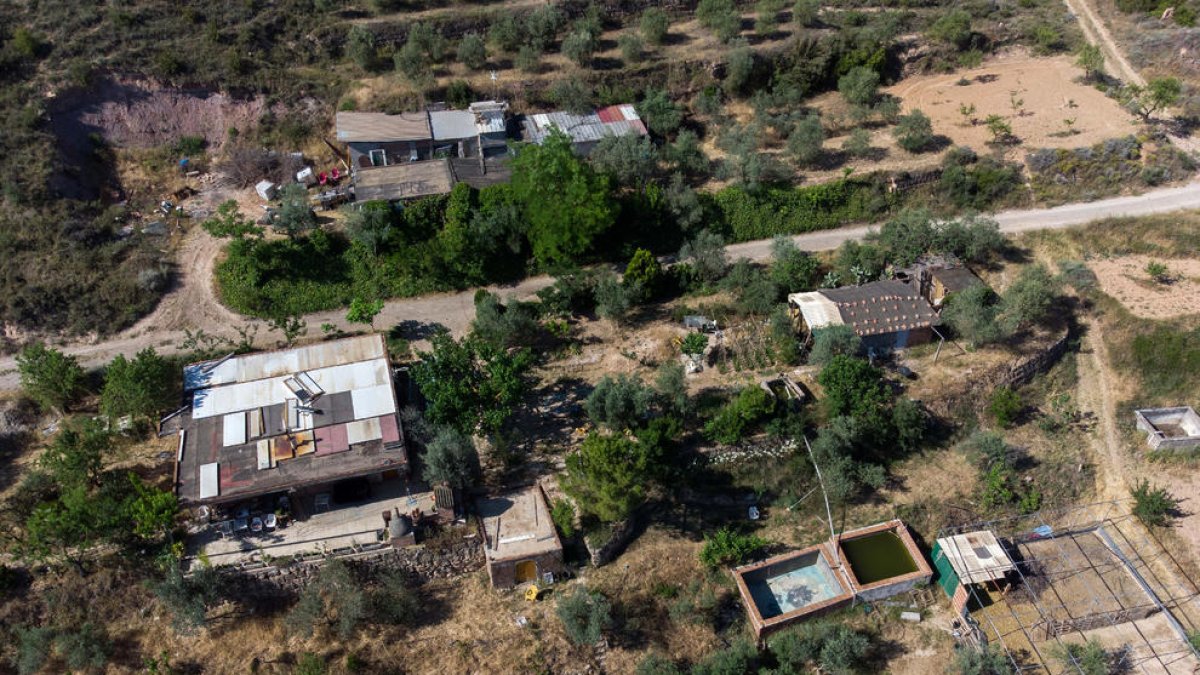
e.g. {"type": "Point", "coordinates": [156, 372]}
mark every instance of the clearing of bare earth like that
{"type": "Point", "coordinates": [1173, 293]}
{"type": "Point", "coordinates": [1036, 96]}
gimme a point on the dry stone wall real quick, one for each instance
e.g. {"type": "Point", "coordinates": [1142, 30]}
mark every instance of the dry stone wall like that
{"type": "Point", "coordinates": [419, 563]}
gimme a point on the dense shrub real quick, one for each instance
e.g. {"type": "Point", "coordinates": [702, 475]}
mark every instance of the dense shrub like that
{"type": "Point", "coordinates": [726, 548]}
{"type": "Point", "coordinates": [740, 416]}
{"type": "Point", "coordinates": [1153, 505]}
{"type": "Point", "coordinates": [775, 211]}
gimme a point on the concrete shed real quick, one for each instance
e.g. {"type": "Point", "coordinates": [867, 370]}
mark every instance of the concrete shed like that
{"type": "Point", "coordinates": [520, 542]}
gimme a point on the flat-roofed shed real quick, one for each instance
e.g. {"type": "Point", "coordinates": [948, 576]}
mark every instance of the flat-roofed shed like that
{"type": "Point", "coordinates": [376, 127]}
{"type": "Point", "coordinates": [520, 541]}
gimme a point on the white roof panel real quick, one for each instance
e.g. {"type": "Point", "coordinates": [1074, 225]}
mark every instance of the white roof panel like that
{"type": "Point", "coordinates": [284, 362]}
{"type": "Point", "coordinates": [241, 396]}
{"type": "Point", "coordinates": [818, 310]}
{"type": "Point", "coordinates": [452, 125]}
{"type": "Point", "coordinates": [210, 482]}
{"type": "Point", "coordinates": [361, 431]}
{"type": "Point", "coordinates": [233, 429]}
{"type": "Point", "coordinates": [373, 401]}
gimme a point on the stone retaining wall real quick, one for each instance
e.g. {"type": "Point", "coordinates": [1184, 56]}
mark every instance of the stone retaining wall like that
{"type": "Point", "coordinates": [419, 563]}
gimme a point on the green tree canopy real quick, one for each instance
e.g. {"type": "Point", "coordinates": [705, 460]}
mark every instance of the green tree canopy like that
{"type": "Point", "coordinates": [629, 159]}
{"type": "Point", "coordinates": [859, 86]}
{"type": "Point", "coordinates": [914, 131]}
{"type": "Point", "coordinates": [853, 387]}
{"type": "Point", "coordinates": [661, 114]}
{"type": "Point", "coordinates": [450, 457]}
{"type": "Point", "coordinates": [143, 386]}
{"type": "Point", "coordinates": [295, 216]}
{"type": "Point", "coordinates": [805, 142]}
{"type": "Point", "coordinates": [832, 341]}
{"type": "Point", "coordinates": [471, 385]}
{"type": "Point", "coordinates": [653, 25]}
{"type": "Point", "coordinates": [566, 203]}
{"type": "Point", "coordinates": [620, 402]}
{"type": "Point", "coordinates": [472, 52]}
{"type": "Point", "coordinates": [792, 269]}
{"type": "Point", "coordinates": [49, 377]}
{"type": "Point", "coordinates": [608, 474]}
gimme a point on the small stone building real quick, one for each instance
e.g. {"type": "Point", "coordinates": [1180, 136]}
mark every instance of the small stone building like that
{"type": "Point", "coordinates": [520, 542]}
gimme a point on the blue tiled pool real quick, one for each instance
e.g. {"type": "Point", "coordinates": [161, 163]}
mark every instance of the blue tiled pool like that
{"type": "Point", "coordinates": [793, 584]}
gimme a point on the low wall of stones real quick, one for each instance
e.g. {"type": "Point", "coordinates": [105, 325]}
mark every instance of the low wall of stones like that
{"type": "Point", "coordinates": [419, 563]}
{"type": "Point", "coordinates": [1013, 374]}
{"type": "Point", "coordinates": [622, 533]}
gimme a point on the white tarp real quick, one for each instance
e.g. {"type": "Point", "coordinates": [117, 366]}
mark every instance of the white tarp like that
{"type": "Point", "coordinates": [210, 482]}
{"type": "Point", "coordinates": [233, 429]}
{"type": "Point", "coordinates": [818, 310]}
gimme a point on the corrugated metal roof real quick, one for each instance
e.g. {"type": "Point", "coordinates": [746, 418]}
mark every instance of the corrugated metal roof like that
{"type": "Point", "coordinates": [353, 127]}
{"type": "Point", "coordinates": [491, 122]}
{"type": "Point", "coordinates": [610, 114]}
{"type": "Point", "coordinates": [452, 125]}
{"type": "Point", "coordinates": [282, 362]}
{"type": "Point", "coordinates": [240, 396]}
{"type": "Point", "coordinates": [407, 180]}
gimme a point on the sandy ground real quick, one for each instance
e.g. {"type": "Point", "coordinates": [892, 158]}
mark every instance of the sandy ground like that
{"type": "Point", "coordinates": [1048, 88]}
{"type": "Point", "coordinates": [1126, 280]}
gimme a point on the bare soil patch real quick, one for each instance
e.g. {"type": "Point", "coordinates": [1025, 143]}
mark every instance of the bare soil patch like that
{"type": "Point", "coordinates": [139, 114]}
{"type": "Point", "coordinates": [1125, 279]}
{"type": "Point", "coordinates": [1049, 88]}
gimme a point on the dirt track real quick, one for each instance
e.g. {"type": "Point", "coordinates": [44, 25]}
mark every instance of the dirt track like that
{"type": "Point", "coordinates": [193, 304]}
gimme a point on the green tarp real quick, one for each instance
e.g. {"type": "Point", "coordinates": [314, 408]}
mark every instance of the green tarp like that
{"type": "Point", "coordinates": [945, 576]}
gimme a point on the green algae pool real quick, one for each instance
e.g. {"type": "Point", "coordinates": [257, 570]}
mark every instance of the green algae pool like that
{"type": "Point", "coordinates": [878, 556]}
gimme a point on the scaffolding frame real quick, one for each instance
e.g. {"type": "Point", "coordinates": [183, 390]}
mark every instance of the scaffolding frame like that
{"type": "Point", "coordinates": [1133, 553]}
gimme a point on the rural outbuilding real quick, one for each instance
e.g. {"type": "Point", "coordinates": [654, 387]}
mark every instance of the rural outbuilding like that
{"type": "Point", "coordinates": [888, 314]}
{"type": "Point", "coordinates": [519, 538]}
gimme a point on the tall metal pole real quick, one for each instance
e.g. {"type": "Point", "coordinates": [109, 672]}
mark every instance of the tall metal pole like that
{"type": "Point", "coordinates": [828, 512]}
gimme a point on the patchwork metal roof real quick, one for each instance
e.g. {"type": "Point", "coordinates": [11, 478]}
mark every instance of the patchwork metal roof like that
{"type": "Point", "coordinates": [617, 120]}
{"type": "Point", "coordinates": [250, 432]}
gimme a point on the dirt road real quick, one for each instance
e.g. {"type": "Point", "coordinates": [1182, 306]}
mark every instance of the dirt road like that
{"type": "Point", "coordinates": [193, 303]}
{"type": "Point", "coordinates": [1114, 59]}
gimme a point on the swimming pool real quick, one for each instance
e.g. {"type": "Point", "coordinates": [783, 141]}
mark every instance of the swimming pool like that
{"type": "Point", "coordinates": [793, 584]}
